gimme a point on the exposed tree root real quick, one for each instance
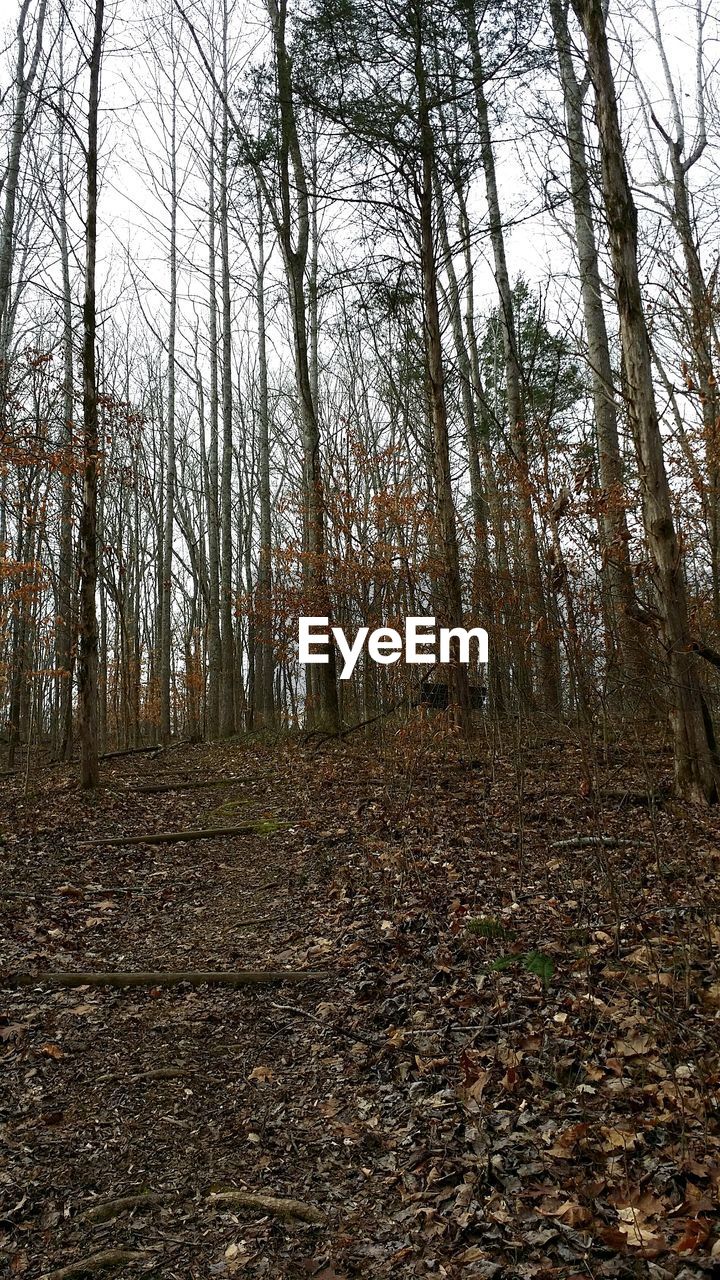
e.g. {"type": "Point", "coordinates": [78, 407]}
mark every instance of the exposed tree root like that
{"type": "Point", "coordinates": [163, 1073]}
{"type": "Point", "coordinates": [194, 978]}
{"type": "Point", "coordinates": [277, 1205]}
{"type": "Point", "coordinates": [173, 837]}
{"type": "Point", "coordinates": [589, 842]}
{"type": "Point", "coordinates": [95, 1262]}
{"type": "Point", "coordinates": [142, 1200]}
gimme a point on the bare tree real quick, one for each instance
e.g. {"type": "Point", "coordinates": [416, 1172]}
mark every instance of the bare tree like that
{"type": "Point", "coordinates": [696, 765]}
{"type": "Point", "coordinates": [88, 627]}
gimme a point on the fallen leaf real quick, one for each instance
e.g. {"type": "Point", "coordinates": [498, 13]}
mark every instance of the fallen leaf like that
{"type": "Point", "coordinates": [574, 1214]}
{"type": "Point", "coordinates": [697, 1231]}
{"type": "Point", "coordinates": [52, 1051]}
{"type": "Point", "coordinates": [634, 1046]}
{"type": "Point", "coordinates": [262, 1073]}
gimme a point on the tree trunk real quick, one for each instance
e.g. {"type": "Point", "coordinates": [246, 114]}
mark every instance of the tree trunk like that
{"type": "Point", "coordinates": [227, 689]}
{"type": "Point", "coordinates": [88, 644]}
{"type": "Point", "coordinates": [264, 711]}
{"type": "Point", "coordinates": [696, 765]}
{"type": "Point", "coordinates": [294, 211]}
{"type": "Point", "coordinates": [65, 623]}
{"type": "Point", "coordinates": [23, 84]}
{"type": "Point", "coordinates": [634, 671]}
{"type": "Point", "coordinates": [541, 630]}
{"type": "Point", "coordinates": [214, 644]}
{"type": "Point", "coordinates": [169, 516]}
{"type": "Point", "coordinates": [449, 585]}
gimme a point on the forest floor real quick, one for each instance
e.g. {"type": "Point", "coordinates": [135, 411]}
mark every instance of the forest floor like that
{"type": "Point", "coordinates": [508, 1066]}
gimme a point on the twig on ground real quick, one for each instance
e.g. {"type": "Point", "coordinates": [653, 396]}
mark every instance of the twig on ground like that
{"type": "Point", "coordinates": [194, 978]}
{"type": "Point", "coordinates": [587, 842]}
{"type": "Point", "coordinates": [175, 837]}
{"type": "Point", "coordinates": [150, 788]}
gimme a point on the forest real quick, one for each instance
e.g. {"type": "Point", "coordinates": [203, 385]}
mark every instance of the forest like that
{"type": "Point", "coordinates": [325, 323]}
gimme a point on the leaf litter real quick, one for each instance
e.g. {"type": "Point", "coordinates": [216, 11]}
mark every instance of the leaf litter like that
{"type": "Point", "coordinates": [512, 1069]}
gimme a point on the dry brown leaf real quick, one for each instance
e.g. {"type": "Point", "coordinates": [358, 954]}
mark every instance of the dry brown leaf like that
{"type": "Point", "coordinates": [52, 1051]}
{"type": "Point", "coordinates": [262, 1073]}
{"type": "Point", "coordinates": [634, 1046]}
{"type": "Point", "coordinates": [574, 1214]}
{"type": "Point", "coordinates": [639, 1234]}
{"type": "Point", "coordinates": [697, 1231]}
{"type": "Point", "coordinates": [617, 1139]}
{"type": "Point", "coordinates": [475, 1090]}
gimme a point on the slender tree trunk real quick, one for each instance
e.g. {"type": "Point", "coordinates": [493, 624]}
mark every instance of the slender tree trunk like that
{"type": "Point", "coordinates": [65, 622]}
{"type": "Point", "coordinates": [701, 338]}
{"type": "Point", "coordinates": [169, 518]}
{"type": "Point", "coordinates": [227, 691]}
{"type": "Point", "coordinates": [696, 766]}
{"type": "Point", "coordinates": [450, 585]}
{"type": "Point", "coordinates": [264, 674]}
{"type": "Point", "coordinates": [88, 645]}
{"type": "Point", "coordinates": [544, 640]}
{"type": "Point", "coordinates": [23, 84]}
{"type": "Point", "coordinates": [214, 644]}
{"type": "Point", "coordinates": [294, 212]}
{"type": "Point", "coordinates": [632, 644]}
{"type": "Point", "coordinates": [482, 594]}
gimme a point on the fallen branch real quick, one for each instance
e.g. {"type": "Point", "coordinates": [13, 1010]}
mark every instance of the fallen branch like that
{"type": "Point", "coordinates": [111, 1208]}
{"type": "Point", "coordinates": [587, 842]}
{"type": "Point", "coordinates": [194, 978]}
{"type": "Point", "coordinates": [640, 798]}
{"type": "Point", "coordinates": [96, 1262]}
{"type": "Point", "coordinates": [151, 788]}
{"type": "Point", "coordinates": [174, 837]}
{"type": "Point", "coordinates": [128, 751]}
{"type": "Point", "coordinates": [163, 1073]}
{"type": "Point", "coordinates": [75, 895]}
{"type": "Point", "coordinates": [276, 1205]}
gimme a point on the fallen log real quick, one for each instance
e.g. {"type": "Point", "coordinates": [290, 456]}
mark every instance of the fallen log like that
{"type": "Point", "coordinates": [95, 1262]}
{"type": "Point", "coordinates": [194, 978]}
{"type": "Point", "coordinates": [175, 837]}
{"type": "Point", "coordinates": [277, 1205]}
